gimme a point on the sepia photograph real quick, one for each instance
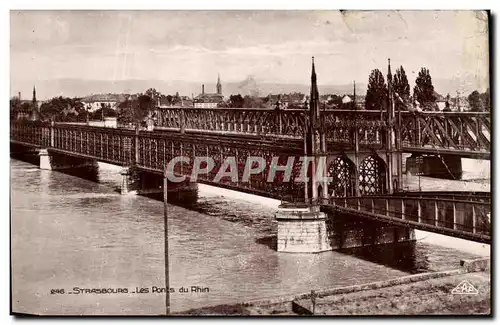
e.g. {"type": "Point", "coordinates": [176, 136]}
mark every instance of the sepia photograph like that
{"type": "Point", "coordinates": [250, 162]}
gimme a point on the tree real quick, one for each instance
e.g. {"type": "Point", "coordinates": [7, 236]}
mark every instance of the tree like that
{"type": "Point", "coordinates": [236, 101]}
{"type": "Point", "coordinates": [252, 102]}
{"type": "Point", "coordinates": [146, 104]}
{"type": "Point", "coordinates": [376, 94]}
{"type": "Point", "coordinates": [15, 105]}
{"type": "Point", "coordinates": [63, 109]}
{"type": "Point", "coordinates": [401, 87]}
{"type": "Point", "coordinates": [485, 99]}
{"type": "Point", "coordinates": [423, 91]}
{"type": "Point", "coordinates": [475, 102]}
{"type": "Point", "coordinates": [151, 92]}
{"type": "Point", "coordinates": [101, 113]}
{"type": "Point", "coordinates": [135, 111]}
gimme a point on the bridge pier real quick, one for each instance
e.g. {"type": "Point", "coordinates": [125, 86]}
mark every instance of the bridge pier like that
{"type": "Point", "coordinates": [57, 161]}
{"type": "Point", "coordinates": [445, 166]}
{"type": "Point", "coordinates": [139, 182]}
{"type": "Point", "coordinates": [125, 181]}
{"type": "Point", "coordinates": [301, 229]}
{"type": "Point", "coordinates": [305, 229]}
{"type": "Point", "coordinates": [45, 163]}
{"type": "Point", "coordinates": [151, 184]}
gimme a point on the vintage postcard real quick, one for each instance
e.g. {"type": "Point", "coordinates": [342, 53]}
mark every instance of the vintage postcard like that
{"type": "Point", "coordinates": [272, 162]}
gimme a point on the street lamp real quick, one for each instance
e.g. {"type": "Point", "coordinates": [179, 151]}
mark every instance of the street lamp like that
{"type": "Point", "coordinates": [165, 227]}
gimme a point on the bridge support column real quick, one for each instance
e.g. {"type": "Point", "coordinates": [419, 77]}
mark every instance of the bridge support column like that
{"type": "Point", "coordinates": [126, 181]}
{"type": "Point", "coordinates": [57, 161]}
{"type": "Point", "coordinates": [45, 162]}
{"type": "Point", "coordinates": [151, 184]}
{"type": "Point", "coordinates": [183, 193]}
{"type": "Point", "coordinates": [301, 229]}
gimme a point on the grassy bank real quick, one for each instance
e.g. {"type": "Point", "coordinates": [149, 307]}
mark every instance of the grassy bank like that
{"type": "Point", "coordinates": [420, 298]}
{"type": "Point", "coordinates": [428, 297]}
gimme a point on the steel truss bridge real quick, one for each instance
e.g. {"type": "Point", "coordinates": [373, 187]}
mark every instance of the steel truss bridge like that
{"type": "Point", "coordinates": [356, 148]}
{"type": "Point", "coordinates": [362, 151]}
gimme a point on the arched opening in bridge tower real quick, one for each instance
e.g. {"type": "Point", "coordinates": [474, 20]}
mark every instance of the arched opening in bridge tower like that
{"type": "Point", "coordinates": [372, 176]}
{"type": "Point", "coordinates": [343, 173]}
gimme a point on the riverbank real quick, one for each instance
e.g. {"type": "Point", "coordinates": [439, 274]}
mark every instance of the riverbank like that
{"type": "Point", "coordinates": [422, 294]}
{"type": "Point", "coordinates": [429, 297]}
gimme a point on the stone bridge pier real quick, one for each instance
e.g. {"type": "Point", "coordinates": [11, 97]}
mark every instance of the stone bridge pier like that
{"type": "Point", "coordinates": [57, 161]}
{"type": "Point", "coordinates": [302, 229]}
{"type": "Point", "coordinates": [141, 182]}
{"type": "Point", "coordinates": [50, 160]}
{"type": "Point", "coordinates": [308, 229]}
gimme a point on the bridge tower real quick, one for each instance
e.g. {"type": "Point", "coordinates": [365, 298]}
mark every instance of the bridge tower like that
{"type": "Point", "coordinates": [301, 225]}
{"type": "Point", "coordinates": [393, 154]}
{"type": "Point", "coordinates": [315, 146]}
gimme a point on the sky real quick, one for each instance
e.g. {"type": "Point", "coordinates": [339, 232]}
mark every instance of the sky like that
{"type": "Point", "coordinates": [272, 46]}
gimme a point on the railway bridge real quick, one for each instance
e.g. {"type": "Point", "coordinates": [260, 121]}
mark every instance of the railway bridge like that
{"type": "Point", "coordinates": [353, 194]}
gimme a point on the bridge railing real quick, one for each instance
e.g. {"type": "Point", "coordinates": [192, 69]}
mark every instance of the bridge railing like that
{"type": "Point", "coordinates": [106, 144]}
{"type": "Point", "coordinates": [289, 123]}
{"type": "Point", "coordinates": [458, 215]}
{"type": "Point", "coordinates": [339, 125]}
{"type": "Point", "coordinates": [32, 132]}
{"type": "Point", "coordinates": [468, 131]}
{"type": "Point", "coordinates": [343, 126]}
{"type": "Point", "coordinates": [452, 195]}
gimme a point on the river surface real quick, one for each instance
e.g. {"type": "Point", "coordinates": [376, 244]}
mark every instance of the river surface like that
{"type": "Point", "coordinates": [69, 232]}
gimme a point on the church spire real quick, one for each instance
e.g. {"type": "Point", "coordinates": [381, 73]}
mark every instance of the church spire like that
{"type": "Point", "coordinates": [34, 101]}
{"type": "Point", "coordinates": [389, 89]}
{"type": "Point", "coordinates": [219, 85]}
{"type": "Point", "coordinates": [389, 74]}
{"type": "Point", "coordinates": [314, 98]}
{"type": "Point", "coordinates": [314, 86]}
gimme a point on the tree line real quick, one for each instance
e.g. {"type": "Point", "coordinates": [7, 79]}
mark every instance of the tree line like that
{"type": "Point", "coordinates": [64, 109]}
{"type": "Point", "coordinates": [377, 94]}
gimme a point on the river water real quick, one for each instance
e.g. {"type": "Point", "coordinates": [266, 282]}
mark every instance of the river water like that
{"type": "Point", "coordinates": [69, 232]}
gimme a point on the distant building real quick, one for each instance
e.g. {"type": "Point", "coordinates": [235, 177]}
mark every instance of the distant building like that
{"type": "Point", "coordinates": [95, 102]}
{"type": "Point", "coordinates": [209, 100]}
{"type": "Point", "coordinates": [277, 100]}
{"type": "Point", "coordinates": [293, 100]}
{"type": "Point", "coordinates": [346, 99]}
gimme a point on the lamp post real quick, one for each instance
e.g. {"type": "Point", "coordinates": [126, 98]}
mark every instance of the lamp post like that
{"type": "Point", "coordinates": [165, 226]}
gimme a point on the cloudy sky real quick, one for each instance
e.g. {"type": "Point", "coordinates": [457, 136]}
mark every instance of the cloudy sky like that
{"type": "Point", "coordinates": [274, 46]}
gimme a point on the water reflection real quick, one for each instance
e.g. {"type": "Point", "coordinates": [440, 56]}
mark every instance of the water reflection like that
{"type": "Point", "coordinates": [405, 256]}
